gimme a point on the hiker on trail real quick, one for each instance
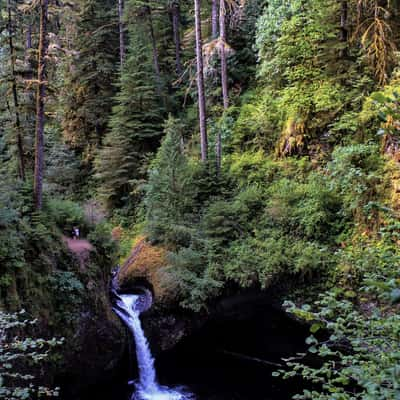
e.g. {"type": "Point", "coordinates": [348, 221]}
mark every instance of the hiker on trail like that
{"type": "Point", "coordinates": [75, 233]}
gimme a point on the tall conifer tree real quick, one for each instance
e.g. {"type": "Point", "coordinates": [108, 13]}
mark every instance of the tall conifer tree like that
{"type": "Point", "coordinates": [136, 121]}
{"type": "Point", "coordinates": [89, 82]}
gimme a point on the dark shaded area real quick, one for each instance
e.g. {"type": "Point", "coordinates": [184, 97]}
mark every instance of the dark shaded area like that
{"type": "Point", "coordinates": [99, 366]}
{"type": "Point", "coordinates": [233, 355]}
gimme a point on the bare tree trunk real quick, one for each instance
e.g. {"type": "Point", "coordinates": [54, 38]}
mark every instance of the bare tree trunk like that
{"type": "Point", "coordinates": [177, 39]}
{"type": "Point", "coordinates": [224, 76]}
{"type": "Point", "coordinates": [30, 97]}
{"type": "Point", "coordinates": [20, 143]}
{"type": "Point", "coordinates": [121, 32]}
{"type": "Point", "coordinates": [41, 92]}
{"type": "Point", "coordinates": [200, 82]}
{"type": "Point", "coordinates": [214, 19]}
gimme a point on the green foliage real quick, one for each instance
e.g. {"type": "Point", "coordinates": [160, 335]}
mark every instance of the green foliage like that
{"type": "Point", "coordinates": [88, 90]}
{"type": "Point", "coordinates": [257, 125]}
{"type": "Point", "coordinates": [389, 113]}
{"type": "Point", "coordinates": [305, 210]}
{"type": "Point", "coordinates": [355, 329]}
{"type": "Point", "coordinates": [302, 194]}
{"type": "Point", "coordinates": [360, 358]}
{"type": "Point", "coordinates": [67, 286]}
{"type": "Point", "coordinates": [21, 359]}
{"type": "Point", "coordinates": [356, 173]}
{"type": "Point", "coordinates": [100, 238]}
{"type": "Point", "coordinates": [135, 124]}
{"type": "Point", "coordinates": [195, 284]}
{"type": "Point", "coordinates": [65, 214]}
{"type": "Point", "coordinates": [228, 220]}
{"type": "Point", "coordinates": [241, 235]}
{"type": "Point", "coordinates": [62, 166]}
{"type": "Point", "coordinates": [312, 84]}
{"type": "Point", "coordinates": [170, 192]}
{"type": "Point", "coordinates": [67, 294]}
{"type": "Point", "coordinates": [267, 257]}
{"type": "Point", "coordinates": [11, 249]}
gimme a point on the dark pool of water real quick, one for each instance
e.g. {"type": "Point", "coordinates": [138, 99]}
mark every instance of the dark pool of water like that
{"type": "Point", "coordinates": [219, 361]}
{"type": "Point", "coordinates": [213, 375]}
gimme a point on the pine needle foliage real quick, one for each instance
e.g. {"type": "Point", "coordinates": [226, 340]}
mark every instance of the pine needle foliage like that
{"type": "Point", "coordinates": [135, 126]}
{"type": "Point", "coordinates": [89, 89]}
{"type": "Point", "coordinates": [169, 194]}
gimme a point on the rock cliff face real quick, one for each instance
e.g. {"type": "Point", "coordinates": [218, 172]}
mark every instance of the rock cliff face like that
{"type": "Point", "coordinates": [145, 266]}
{"type": "Point", "coordinates": [245, 329]}
{"type": "Point", "coordinates": [96, 356]}
{"type": "Point", "coordinates": [94, 353]}
{"type": "Point", "coordinates": [167, 325]}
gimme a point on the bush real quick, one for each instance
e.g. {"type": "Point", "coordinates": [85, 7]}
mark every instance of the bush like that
{"type": "Point", "coordinates": [21, 358]}
{"type": "Point", "coordinates": [356, 174]}
{"type": "Point", "coordinates": [65, 214]}
{"type": "Point", "coordinates": [195, 282]}
{"type": "Point", "coordinates": [360, 356]}
{"type": "Point", "coordinates": [228, 220]}
{"type": "Point", "coordinates": [268, 257]}
{"type": "Point", "coordinates": [305, 210]}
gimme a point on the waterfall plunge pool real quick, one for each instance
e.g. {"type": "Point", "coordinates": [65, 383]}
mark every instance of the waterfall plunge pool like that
{"type": "Point", "coordinates": [230, 358]}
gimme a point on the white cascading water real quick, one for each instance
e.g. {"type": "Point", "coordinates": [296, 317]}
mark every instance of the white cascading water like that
{"type": "Point", "coordinates": [128, 308]}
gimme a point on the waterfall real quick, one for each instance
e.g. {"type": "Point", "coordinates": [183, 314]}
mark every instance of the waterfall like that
{"type": "Point", "coordinates": [128, 307]}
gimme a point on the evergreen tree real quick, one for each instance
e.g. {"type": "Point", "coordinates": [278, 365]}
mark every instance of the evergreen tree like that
{"type": "Point", "coordinates": [17, 110]}
{"type": "Point", "coordinates": [89, 81]}
{"type": "Point", "coordinates": [18, 127]}
{"type": "Point", "coordinates": [135, 124]}
{"type": "Point", "coordinates": [169, 192]}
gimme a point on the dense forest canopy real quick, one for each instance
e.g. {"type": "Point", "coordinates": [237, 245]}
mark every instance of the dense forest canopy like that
{"type": "Point", "coordinates": [253, 143]}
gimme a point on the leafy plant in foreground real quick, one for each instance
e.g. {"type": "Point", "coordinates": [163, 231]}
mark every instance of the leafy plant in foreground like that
{"type": "Point", "coordinates": [360, 357]}
{"type": "Point", "coordinates": [18, 358]}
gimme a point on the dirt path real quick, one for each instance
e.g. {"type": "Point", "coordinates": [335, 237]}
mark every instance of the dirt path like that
{"type": "Point", "coordinates": [80, 247]}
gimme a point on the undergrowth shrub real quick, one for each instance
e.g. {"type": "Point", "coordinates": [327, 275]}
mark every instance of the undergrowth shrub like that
{"type": "Point", "coordinates": [66, 214]}
{"type": "Point", "coordinates": [22, 359]}
{"type": "Point", "coordinates": [356, 173]}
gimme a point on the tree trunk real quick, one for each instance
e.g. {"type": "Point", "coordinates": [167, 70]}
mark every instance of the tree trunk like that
{"type": "Point", "coordinates": [224, 76]}
{"type": "Point", "coordinates": [214, 19]}
{"type": "Point", "coordinates": [40, 98]}
{"type": "Point", "coordinates": [18, 128]}
{"type": "Point", "coordinates": [156, 62]}
{"type": "Point", "coordinates": [121, 32]}
{"type": "Point", "coordinates": [200, 83]}
{"type": "Point", "coordinates": [224, 67]}
{"type": "Point", "coordinates": [175, 26]}
{"type": "Point", "coordinates": [28, 40]}
{"type": "Point", "coordinates": [344, 34]}
{"type": "Point", "coordinates": [28, 47]}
